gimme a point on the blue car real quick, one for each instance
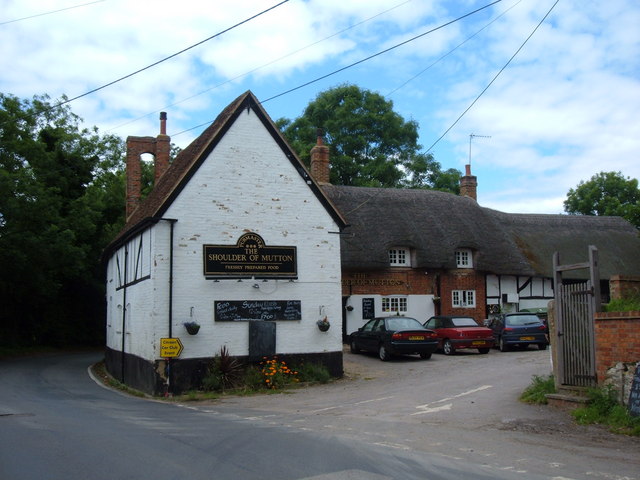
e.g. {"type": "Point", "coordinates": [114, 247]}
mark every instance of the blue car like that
{"type": "Point", "coordinates": [518, 330]}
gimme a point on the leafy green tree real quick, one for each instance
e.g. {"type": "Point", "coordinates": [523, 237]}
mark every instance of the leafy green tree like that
{"type": "Point", "coordinates": [370, 144]}
{"type": "Point", "coordinates": [607, 193]}
{"type": "Point", "coordinates": [61, 200]}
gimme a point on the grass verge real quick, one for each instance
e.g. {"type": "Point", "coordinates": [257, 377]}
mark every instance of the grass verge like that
{"type": "Point", "coordinates": [602, 408]}
{"type": "Point", "coordinates": [536, 393]}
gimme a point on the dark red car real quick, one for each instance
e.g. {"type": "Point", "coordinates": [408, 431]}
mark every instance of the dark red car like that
{"type": "Point", "coordinates": [456, 332]}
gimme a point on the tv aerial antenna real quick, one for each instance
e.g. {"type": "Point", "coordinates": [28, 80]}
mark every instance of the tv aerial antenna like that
{"type": "Point", "coordinates": [471, 137]}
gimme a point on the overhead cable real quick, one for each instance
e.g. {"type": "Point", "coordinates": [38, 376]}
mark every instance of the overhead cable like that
{"type": "Point", "coordinates": [380, 53]}
{"type": "Point", "coordinates": [350, 27]}
{"type": "Point", "coordinates": [452, 50]}
{"type": "Point", "coordinates": [495, 77]}
{"type": "Point", "coordinates": [356, 63]}
{"type": "Point", "coordinates": [49, 13]}
{"type": "Point", "coordinates": [169, 57]}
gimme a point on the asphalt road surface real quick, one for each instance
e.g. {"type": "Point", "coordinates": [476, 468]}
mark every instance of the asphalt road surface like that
{"type": "Point", "coordinates": [445, 418]}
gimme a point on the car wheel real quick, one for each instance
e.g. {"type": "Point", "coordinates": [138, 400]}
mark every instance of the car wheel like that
{"type": "Point", "coordinates": [383, 353]}
{"type": "Point", "coordinates": [542, 346]}
{"type": "Point", "coordinates": [354, 348]}
{"type": "Point", "coordinates": [503, 346]}
{"type": "Point", "coordinates": [425, 356]}
{"type": "Point", "coordinates": [484, 350]}
{"type": "Point", "coordinates": [448, 348]}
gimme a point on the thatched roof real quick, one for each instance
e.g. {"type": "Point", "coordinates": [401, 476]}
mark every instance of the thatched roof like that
{"type": "Point", "coordinates": [434, 224]}
{"type": "Point", "coordinates": [539, 236]}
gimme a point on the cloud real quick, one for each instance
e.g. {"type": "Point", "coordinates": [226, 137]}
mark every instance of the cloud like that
{"type": "Point", "coordinates": [563, 110]}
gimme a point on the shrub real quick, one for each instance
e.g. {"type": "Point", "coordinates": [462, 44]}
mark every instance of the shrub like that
{"type": "Point", "coordinates": [277, 374]}
{"type": "Point", "coordinates": [253, 379]}
{"type": "Point", "coordinates": [623, 305]}
{"type": "Point", "coordinates": [313, 373]}
{"type": "Point", "coordinates": [223, 373]}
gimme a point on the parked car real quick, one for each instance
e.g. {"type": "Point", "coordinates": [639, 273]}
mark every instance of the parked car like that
{"type": "Point", "coordinates": [518, 329]}
{"type": "Point", "coordinates": [541, 313]}
{"type": "Point", "coordinates": [394, 336]}
{"type": "Point", "coordinates": [455, 332]}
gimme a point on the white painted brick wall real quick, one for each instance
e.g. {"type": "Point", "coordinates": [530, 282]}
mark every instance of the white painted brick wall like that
{"type": "Point", "coordinates": [246, 184]}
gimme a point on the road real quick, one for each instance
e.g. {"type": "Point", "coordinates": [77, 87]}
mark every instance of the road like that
{"type": "Point", "coordinates": [404, 419]}
{"type": "Point", "coordinates": [464, 408]}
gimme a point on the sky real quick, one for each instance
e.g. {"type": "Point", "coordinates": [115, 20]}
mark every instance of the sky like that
{"type": "Point", "coordinates": [548, 105]}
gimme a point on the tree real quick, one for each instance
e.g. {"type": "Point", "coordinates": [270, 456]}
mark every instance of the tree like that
{"type": "Point", "coordinates": [61, 201]}
{"type": "Point", "coordinates": [607, 193]}
{"type": "Point", "coordinates": [370, 144]}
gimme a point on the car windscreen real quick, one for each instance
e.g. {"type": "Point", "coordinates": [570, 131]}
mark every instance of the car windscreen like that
{"type": "Point", "coordinates": [520, 320]}
{"type": "Point", "coordinates": [463, 322]}
{"type": "Point", "coordinates": [403, 323]}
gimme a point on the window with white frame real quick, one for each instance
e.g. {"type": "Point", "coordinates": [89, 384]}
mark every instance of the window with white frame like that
{"type": "Point", "coordinates": [394, 304]}
{"type": "Point", "coordinates": [464, 258]}
{"type": "Point", "coordinates": [463, 298]}
{"type": "Point", "coordinates": [399, 257]}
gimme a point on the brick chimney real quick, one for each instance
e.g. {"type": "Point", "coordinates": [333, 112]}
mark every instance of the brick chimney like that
{"type": "Point", "coordinates": [320, 160]}
{"type": "Point", "coordinates": [469, 184]}
{"type": "Point", "coordinates": [160, 148]}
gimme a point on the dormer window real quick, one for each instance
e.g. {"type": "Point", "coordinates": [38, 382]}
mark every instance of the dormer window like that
{"type": "Point", "coordinates": [464, 258]}
{"type": "Point", "coordinates": [399, 257]}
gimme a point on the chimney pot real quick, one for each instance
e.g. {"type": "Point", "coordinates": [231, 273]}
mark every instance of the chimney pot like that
{"type": "Point", "coordinates": [469, 184]}
{"type": "Point", "coordinates": [163, 123]}
{"type": "Point", "coordinates": [320, 159]}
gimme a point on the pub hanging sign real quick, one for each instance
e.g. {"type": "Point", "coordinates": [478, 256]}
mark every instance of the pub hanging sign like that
{"type": "Point", "coordinates": [248, 258]}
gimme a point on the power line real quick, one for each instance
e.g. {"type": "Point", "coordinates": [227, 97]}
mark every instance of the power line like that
{"type": "Point", "coordinates": [380, 53]}
{"type": "Point", "coordinates": [495, 77]}
{"type": "Point", "coordinates": [263, 65]}
{"type": "Point", "coordinates": [452, 50]}
{"type": "Point", "coordinates": [169, 57]}
{"type": "Point", "coordinates": [356, 63]}
{"type": "Point", "coordinates": [49, 13]}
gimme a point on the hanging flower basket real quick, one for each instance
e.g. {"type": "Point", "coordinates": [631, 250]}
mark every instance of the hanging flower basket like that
{"type": "Point", "coordinates": [323, 324]}
{"type": "Point", "coordinates": [192, 328]}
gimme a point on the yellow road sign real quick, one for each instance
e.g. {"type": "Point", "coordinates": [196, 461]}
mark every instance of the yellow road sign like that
{"type": "Point", "coordinates": [170, 347]}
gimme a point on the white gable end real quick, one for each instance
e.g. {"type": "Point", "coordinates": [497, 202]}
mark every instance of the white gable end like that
{"type": "Point", "coordinates": [245, 184]}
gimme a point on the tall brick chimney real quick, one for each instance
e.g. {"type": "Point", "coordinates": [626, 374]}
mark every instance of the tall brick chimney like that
{"type": "Point", "coordinates": [320, 160]}
{"type": "Point", "coordinates": [469, 184]}
{"type": "Point", "coordinates": [160, 148]}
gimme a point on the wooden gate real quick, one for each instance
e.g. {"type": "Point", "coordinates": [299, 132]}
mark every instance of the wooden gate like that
{"type": "Point", "coordinates": [575, 306]}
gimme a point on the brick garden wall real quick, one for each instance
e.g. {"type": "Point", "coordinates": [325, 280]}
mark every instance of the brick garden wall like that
{"type": "Point", "coordinates": [617, 340]}
{"type": "Point", "coordinates": [624, 286]}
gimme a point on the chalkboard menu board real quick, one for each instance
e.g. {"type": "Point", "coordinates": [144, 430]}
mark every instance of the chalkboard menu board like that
{"type": "Point", "coordinates": [634, 395]}
{"type": "Point", "coordinates": [368, 309]}
{"type": "Point", "coordinates": [262, 310]}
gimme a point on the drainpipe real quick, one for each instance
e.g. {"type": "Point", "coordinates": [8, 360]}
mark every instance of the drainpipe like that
{"type": "Point", "coordinates": [172, 222]}
{"type": "Point", "coordinates": [124, 310]}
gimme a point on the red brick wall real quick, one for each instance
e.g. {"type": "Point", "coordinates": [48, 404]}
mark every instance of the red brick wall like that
{"type": "Point", "coordinates": [416, 282]}
{"type": "Point", "coordinates": [388, 282]}
{"type": "Point", "coordinates": [624, 286]}
{"type": "Point", "coordinates": [463, 280]}
{"type": "Point", "coordinates": [160, 148]}
{"type": "Point", "coordinates": [617, 339]}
